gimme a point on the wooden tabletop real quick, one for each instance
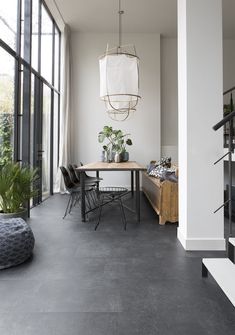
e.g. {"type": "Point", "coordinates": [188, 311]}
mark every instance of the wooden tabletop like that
{"type": "Point", "coordinates": [104, 166]}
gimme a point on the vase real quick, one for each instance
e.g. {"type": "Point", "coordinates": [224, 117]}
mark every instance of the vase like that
{"type": "Point", "coordinates": [125, 156]}
{"type": "Point", "coordinates": [110, 156]}
{"type": "Point", "coordinates": [117, 157]}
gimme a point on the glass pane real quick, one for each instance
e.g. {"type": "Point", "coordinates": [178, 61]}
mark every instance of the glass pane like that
{"type": "Point", "coordinates": [46, 133]}
{"type": "Point", "coordinates": [32, 122]}
{"type": "Point", "coordinates": [46, 46]}
{"type": "Point", "coordinates": [57, 55]}
{"type": "Point", "coordinates": [8, 22]}
{"type": "Point", "coordinates": [7, 92]}
{"type": "Point", "coordinates": [22, 30]}
{"type": "Point", "coordinates": [20, 116]}
{"type": "Point", "coordinates": [35, 10]}
{"type": "Point", "coordinates": [55, 139]}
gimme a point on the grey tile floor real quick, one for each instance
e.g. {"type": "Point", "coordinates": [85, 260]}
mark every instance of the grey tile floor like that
{"type": "Point", "coordinates": [110, 282]}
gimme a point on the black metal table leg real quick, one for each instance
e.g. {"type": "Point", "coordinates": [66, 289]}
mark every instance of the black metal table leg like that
{"type": "Point", "coordinates": [97, 176]}
{"type": "Point", "coordinates": [132, 183]}
{"type": "Point", "coordinates": [83, 202]}
{"type": "Point", "coordinates": [137, 189]}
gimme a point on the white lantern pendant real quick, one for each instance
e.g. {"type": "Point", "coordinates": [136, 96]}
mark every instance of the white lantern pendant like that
{"type": "Point", "coordinates": [119, 79]}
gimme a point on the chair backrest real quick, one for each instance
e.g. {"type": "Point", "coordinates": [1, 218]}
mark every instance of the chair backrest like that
{"type": "Point", "coordinates": [76, 171]}
{"type": "Point", "coordinates": [73, 175]}
{"type": "Point", "coordinates": [81, 164]}
{"type": "Point", "coordinates": [67, 180]}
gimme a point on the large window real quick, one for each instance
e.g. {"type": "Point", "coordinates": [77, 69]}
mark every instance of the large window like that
{"type": "Point", "coordinates": [30, 88]}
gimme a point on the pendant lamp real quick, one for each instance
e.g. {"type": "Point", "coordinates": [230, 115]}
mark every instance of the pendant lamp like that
{"type": "Point", "coordinates": [119, 78]}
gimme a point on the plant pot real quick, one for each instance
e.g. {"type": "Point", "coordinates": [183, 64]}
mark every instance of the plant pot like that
{"type": "Point", "coordinates": [110, 156]}
{"type": "Point", "coordinates": [23, 214]}
{"type": "Point", "coordinates": [125, 156]}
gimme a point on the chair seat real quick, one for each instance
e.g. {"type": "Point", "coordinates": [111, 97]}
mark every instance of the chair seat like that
{"type": "Point", "coordinates": [77, 189]}
{"type": "Point", "coordinates": [113, 191]}
{"type": "Point", "coordinates": [92, 179]}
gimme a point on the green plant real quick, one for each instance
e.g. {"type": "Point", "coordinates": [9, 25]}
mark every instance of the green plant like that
{"type": "Point", "coordinates": [16, 186]}
{"type": "Point", "coordinates": [6, 133]}
{"type": "Point", "coordinates": [125, 143]}
{"type": "Point", "coordinates": [115, 139]}
{"type": "Point", "coordinates": [6, 118]}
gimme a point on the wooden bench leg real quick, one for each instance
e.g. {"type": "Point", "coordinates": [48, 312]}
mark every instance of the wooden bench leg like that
{"type": "Point", "coordinates": [162, 220]}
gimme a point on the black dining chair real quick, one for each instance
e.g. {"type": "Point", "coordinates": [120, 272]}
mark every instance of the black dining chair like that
{"type": "Point", "coordinates": [74, 191]}
{"type": "Point", "coordinates": [90, 178]}
{"type": "Point", "coordinates": [88, 183]}
{"type": "Point", "coordinates": [110, 194]}
{"type": "Point", "coordinates": [73, 175]}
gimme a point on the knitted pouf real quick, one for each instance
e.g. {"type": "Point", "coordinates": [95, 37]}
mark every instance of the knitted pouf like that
{"type": "Point", "coordinates": [16, 242]}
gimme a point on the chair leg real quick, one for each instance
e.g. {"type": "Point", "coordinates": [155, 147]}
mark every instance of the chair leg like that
{"type": "Point", "coordinates": [77, 199]}
{"type": "Point", "coordinates": [68, 204]}
{"type": "Point", "coordinates": [72, 202]}
{"type": "Point", "coordinates": [123, 213]}
{"type": "Point", "coordinates": [96, 196]}
{"type": "Point", "coordinates": [100, 211]}
{"type": "Point", "coordinates": [92, 196]}
{"type": "Point", "coordinates": [88, 199]}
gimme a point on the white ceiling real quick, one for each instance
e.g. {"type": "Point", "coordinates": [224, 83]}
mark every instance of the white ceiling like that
{"type": "Point", "coordinates": [147, 16]}
{"type": "Point", "coordinates": [102, 15]}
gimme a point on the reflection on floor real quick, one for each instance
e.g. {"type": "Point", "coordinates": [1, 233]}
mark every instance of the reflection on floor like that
{"type": "Point", "coordinates": [110, 281]}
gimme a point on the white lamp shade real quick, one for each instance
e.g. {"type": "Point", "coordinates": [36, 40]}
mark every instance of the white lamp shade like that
{"type": "Point", "coordinates": [119, 80]}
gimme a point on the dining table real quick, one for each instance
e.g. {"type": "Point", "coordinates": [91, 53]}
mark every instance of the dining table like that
{"type": "Point", "coordinates": [130, 166]}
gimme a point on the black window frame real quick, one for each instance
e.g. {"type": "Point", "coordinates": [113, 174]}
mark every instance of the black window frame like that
{"type": "Point", "coordinates": [21, 146]}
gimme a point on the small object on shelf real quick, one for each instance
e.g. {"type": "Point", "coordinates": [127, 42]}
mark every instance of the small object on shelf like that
{"type": "Point", "coordinates": [125, 156]}
{"type": "Point", "coordinates": [117, 158]}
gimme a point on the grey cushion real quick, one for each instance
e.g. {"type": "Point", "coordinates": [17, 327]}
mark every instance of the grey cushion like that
{"type": "Point", "coordinates": [16, 242]}
{"type": "Point", "coordinates": [164, 173]}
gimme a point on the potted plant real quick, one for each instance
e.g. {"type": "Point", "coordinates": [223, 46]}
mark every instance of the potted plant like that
{"type": "Point", "coordinates": [16, 189]}
{"type": "Point", "coordinates": [115, 143]}
{"type": "Point", "coordinates": [124, 153]}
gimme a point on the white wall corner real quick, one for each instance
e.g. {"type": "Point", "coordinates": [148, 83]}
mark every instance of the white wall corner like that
{"type": "Point", "coordinates": [200, 84]}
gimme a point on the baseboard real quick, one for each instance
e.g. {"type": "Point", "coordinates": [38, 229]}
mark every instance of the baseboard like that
{"type": "Point", "coordinates": [196, 244]}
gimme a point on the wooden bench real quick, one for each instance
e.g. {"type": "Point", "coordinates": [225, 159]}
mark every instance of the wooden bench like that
{"type": "Point", "coordinates": [163, 196]}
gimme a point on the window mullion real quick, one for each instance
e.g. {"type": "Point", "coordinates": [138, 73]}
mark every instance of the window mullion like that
{"type": "Point", "coordinates": [17, 93]}
{"type": "Point", "coordinates": [27, 83]}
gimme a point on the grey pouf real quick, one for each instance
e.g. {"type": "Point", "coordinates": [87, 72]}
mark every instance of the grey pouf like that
{"type": "Point", "coordinates": [16, 242]}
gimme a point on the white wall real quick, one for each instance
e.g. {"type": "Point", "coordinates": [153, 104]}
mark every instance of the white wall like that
{"type": "Point", "coordinates": [169, 98]}
{"type": "Point", "coordinates": [88, 112]}
{"type": "Point", "coordinates": [200, 106]}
